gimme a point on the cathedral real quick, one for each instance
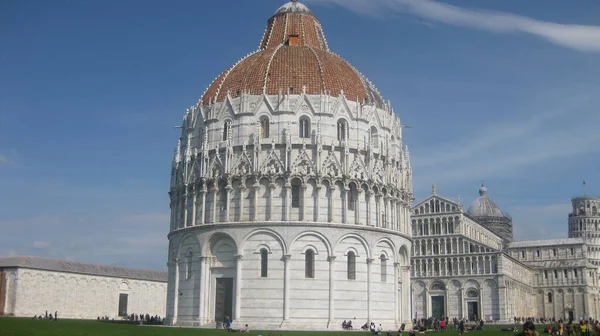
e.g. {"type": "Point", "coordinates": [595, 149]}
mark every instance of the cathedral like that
{"type": "Point", "coordinates": [467, 265]}
{"type": "Point", "coordinates": [291, 193]}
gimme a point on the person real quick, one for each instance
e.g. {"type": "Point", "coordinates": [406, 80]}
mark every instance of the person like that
{"type": "Point", "coordinates": [528, 329]}
{"type": "Point", "coordinates": [461, 327]}
{"type": "Point", "coordinates": [227, 323]}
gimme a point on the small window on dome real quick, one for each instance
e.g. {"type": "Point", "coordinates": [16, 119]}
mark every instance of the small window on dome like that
{"type": "Point", "coordinates": [293, 40]}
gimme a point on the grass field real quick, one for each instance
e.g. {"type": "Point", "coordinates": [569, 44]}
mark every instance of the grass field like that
{"type": "Point", "coordinates": [30, 327]}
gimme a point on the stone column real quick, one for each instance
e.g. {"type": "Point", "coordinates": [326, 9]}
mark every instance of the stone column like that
{"type": "Point", "coordinates": [238, 287]}
{"type": "Point", "coordinates": [331, 260]}
{"type": "Point", "coordinates": [215, 201]}
{"type": "Point", "coordinates": [185, 208]}
{"type": "Point", "coordinates": [176, 292]}
{"type": "Point", "coordinates": [255, 210]}
{"type": "Point", "coordinates": [398, 293]}
{"type": "Point", "coordinates": [369, 279]}
{"type": "Point", "coordinates": [462, 302]}
{"type": "Point", "coordinates": [173, 208]}
{"type": "Point", "coordinates": [345, 204]}
{"type": "Point", "coordinates": [194, 205]}
{"type": "Point", "coordinates": [359, 192]}
{"type": "Point", "coordinates": [481, 305]}
{"type": "Point", "coordinates": [272, 187]}
{"type": "Point", "coordinates": [287, 201]}
{"type": "Point", "coordinates": [303, 203]}
{"type": "Point", "coordinates": [585, 304]}
{"type": "Point", "coordinates": [369, 209]}
{"type": "Point", "coordinates": [203, 202]}
{"type": "Point", "coordinates": [286, 287]}
{"type": "Point", "coordinates": [243, 189]}
{"type": "Point", "coordinates": [202, 303]}
{"type": "Point", "coordinates": [426, 313]}
{"type": "Point", "coordinates": [318, 202]}
{"type": "Point", "coordinates": [228, 190]}
{"type": "Point", "coordinates": [330, 204]}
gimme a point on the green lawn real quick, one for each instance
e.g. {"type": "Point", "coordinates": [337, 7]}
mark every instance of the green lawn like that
{"type": "Point", "coordinates": [30, 327]}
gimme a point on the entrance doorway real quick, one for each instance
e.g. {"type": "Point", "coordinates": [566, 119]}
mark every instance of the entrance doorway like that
{"type": "Point", "coordinates": [437, 306]}
{"type": "Point", "coordinates": [571, 315]}
{"type": "Point", "coordinates": [473, 311]}
{"type": "Point", "coordinates": [223, 299]}
{"type": "Point", "coordinates": [123, 304]}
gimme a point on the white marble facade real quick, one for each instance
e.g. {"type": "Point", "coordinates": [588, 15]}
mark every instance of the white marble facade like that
{"type": "Point", "coordinates": [289, 194]}
{"type": "Point", "coordinates": [29, 291]}
{"type": "Point", "coordinates": [462, 269]}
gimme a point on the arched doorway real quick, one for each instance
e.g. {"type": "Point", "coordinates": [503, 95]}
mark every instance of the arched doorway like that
{"type": "Point", "coordinates": [473, 305]}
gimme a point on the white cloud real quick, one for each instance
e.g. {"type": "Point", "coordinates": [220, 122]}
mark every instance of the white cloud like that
{"type": "Point", "coordinates": [504, 149]}
{"type": "Point", "coordinates": [40, 245]}
{"type": "Point", "coordinates": [579, 37]}
{"type": "Point", "coordinates": [8, 157]}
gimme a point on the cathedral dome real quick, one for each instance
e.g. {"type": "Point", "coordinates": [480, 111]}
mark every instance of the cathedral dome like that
{"type": "Point", "coordinates": [293, 57]}
{"type": "Point", "coordinates": [484, 206]}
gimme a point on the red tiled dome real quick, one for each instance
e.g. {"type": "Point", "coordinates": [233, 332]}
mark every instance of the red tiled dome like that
{"type": "Point", "coordinates": [293, 55]}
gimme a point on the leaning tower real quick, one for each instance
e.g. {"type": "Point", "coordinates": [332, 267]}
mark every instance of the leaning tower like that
{"type": "Point", "coordinates": [584, 222]}
{"type": "Point", "coordinates": [290, 192]}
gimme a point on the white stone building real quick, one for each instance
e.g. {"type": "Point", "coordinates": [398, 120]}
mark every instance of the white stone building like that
{"type": "Point", "coordinates": [466, 269]}
{"type": "Point", "coordinates": [32, 285]}
{"type": "Point", "coordinates": [290, 193]}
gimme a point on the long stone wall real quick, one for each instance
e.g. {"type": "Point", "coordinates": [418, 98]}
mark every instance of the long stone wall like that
{"type": "Point", "coordinates": [2, 292]}
{"type": "Point", "coordinates": [81, 296]}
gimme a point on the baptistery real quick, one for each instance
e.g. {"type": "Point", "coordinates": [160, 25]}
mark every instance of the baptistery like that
{"type": "Point", "coordinates": [290, 193]}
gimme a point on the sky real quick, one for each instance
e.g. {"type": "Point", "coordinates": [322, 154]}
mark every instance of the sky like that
{"type": "Point", "coordinates": [504, 91]}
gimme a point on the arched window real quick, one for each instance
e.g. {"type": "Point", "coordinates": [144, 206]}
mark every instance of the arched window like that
{"type": "Point", "coordinates": [351, 267]}
{"type": "Point", "coordinates": [188, 265]}
{"type": "Point", "coordinates": [383, 261]}
{"type": "Point", "coordinates": [309, 264]}
{"type": "Point", "coordinates": [549, 297]}
{"type": "Point", "coordinates": [304, 127]}
{"type": "Point", "coordinates": [226, 127]}
{"type": "Point", "coordinates": [351, 196]}
{"type": "Point", "coordinates": [264, 127]}
{"type": "Point", "coordinates": [264, 262]}
{"type": "Point", "coordinates": [296, 193]}
{"type": "Point", "coordinates": [222, 195]}
{"type": "Point", "coordinates": [374, 137]}
{"type": "Point", "coordinates": [342, 130]}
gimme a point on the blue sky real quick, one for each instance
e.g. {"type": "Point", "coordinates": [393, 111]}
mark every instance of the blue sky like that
{"type": "Point", "coordinates": [505, 91]}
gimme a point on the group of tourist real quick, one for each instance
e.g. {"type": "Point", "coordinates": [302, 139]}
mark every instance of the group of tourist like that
{"type": "Point", "coordinates": [136, 318]}
{"type": "Point", "coordinates": [47, 316]}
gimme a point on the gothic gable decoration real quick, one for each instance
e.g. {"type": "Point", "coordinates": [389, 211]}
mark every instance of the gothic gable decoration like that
{"type": "Point", "coordinates": [303, 104]}
{"type": "Point", "coordinates": [303, 164]}
{"type": "Point", "coordinates": [215, 168]}
{"type": "Point", "coordinates": [263, 105]}
{"type": "Point", "coordinates": [272, 164]}
{"type": "Point", "coordinates": [331, 165]}
{"type": "Point", "coordinates": [243, 165]}
{"type": "Point", "coordinates": [357, 168]}
{"type": "Point", "coordinates": [378, 174]}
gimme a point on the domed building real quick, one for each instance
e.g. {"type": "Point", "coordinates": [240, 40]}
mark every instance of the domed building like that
{"type": "Point", "coordinates": [485, 211]}
{"type": "Point", "coordinates": [290, 193]}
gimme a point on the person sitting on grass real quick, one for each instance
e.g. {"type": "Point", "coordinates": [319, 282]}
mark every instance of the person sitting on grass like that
{"type": "Point", "coordinates": [528, 329]}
